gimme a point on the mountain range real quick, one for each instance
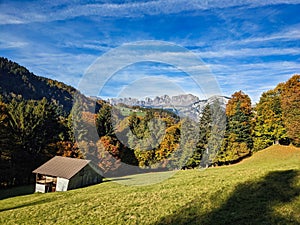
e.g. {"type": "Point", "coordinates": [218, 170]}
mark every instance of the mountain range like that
{"type": "Point", "coordinates": [184, 105]}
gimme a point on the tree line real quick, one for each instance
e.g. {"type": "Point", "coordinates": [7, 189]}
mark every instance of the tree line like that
{"type": "Point", "coordinates": [137, 138]}
{"type": "Point", "coordinates": [33, 131]}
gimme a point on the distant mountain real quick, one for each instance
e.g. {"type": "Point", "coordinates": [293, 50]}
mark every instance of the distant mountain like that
{"type": "Point", "coordinates": [16, 80]}
{"type": "Point", "coordinates": [186, 105]}
{"type": "Point", "coordinates": [162, 101]}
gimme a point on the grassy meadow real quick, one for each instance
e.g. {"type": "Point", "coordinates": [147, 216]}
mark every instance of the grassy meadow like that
{"type": "Point", "coordinates": [263, 189]}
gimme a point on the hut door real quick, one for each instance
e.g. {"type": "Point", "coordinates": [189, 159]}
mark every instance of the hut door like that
{"type": "Point", "coordinates": [62, 184]}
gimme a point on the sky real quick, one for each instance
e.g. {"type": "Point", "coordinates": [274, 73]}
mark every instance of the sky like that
{"type": "Point", "coordinates": [248, 45]}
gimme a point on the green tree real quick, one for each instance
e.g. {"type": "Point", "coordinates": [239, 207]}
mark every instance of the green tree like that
{"type": "Point", "coordinates": [6, 147]}
{"type": "Point", "coordinates": [28, 120]}
{"type": "Point", "coordinates": [212, 127]}
{"type": "Point", "coordinates": [205, 126]}
{"type": "Point", "coordinates": [76, 126]}
{"type": "Point", "coordinates": [4, 129]}
{"type": "Point", "coordinates": [238, 140]}
{"type": "Point", "coordinates": [104, 121]}
{"type": "Point", "coordinates": [145, 134]}
{"type": "Point", "coordinates": [34, 125]}
{"type": "Point", "coordinates": [216, 134]}
{"type": "Point", "coordinates": [189, 136]}
{"type": "Point", "coordinates": [269, 128]}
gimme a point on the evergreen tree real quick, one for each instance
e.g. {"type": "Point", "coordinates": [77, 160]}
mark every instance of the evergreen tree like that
{"type": "Point", "coordinates": [205, 125]}
{"type": "Point", "coordinates": [240, 125]}
{"type": "Point", "coordinates": [189, 137]}
{"type": "Point", "coordinates": [34, 126]}
{"type": "Point", "coordinates": [6, 147]}
{"type": "Point", "coordinates": [104, 121]}
{"type": "Point", "coordinates": [217, 132]}
{"type": "Point", "coordinates": [77, 127]}
{"type": "Point", "coordinates": [145, 134]}
{"type": "Point", "coordinates": [4, 129]}
{"type": "Point", "coordinates": [238, 139]}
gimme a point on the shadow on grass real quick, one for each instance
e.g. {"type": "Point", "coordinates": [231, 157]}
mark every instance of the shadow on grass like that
{"type": "Point", "coordinates": [26, 205]}
{"type": "Point", "coordinates": [250, 203]}
{"type": "Point", "coordinates": [31, 203]}
{"type": "Point", "coordinates": [112, 179]}
{"type": "Point", "coordinates": [16, 191]}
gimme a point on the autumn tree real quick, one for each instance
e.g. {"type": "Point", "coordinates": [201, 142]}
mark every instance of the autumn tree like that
{"type": "Point", "coordinates": [67, 149]}
{"type": "Point", "coordinates": [290, 103]}
{"type": "Point", "coordinates": [108, 154]}
{"type": "Point", "coordinates": [168, 145]}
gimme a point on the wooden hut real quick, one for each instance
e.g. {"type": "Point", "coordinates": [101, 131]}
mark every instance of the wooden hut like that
{"type": "Point", "coordinates": [63, 173]}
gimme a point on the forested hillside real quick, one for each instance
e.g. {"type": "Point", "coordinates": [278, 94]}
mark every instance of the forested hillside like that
{"type": "Point", "coordinates": [17, 81]}
{"type": "Point", "coordinates": [41, 118]}
{"type": "Point", "coordinates": [35, 122]}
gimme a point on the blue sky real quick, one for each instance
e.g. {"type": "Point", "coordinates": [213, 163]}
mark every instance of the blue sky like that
{"type": "Point", "coordinates": [248, 45]}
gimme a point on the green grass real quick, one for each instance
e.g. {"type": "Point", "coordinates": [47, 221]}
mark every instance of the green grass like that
{"type": "Point", "coordinates": [264, 189]}
{"type": "Point", "coordinates": [128, 111]}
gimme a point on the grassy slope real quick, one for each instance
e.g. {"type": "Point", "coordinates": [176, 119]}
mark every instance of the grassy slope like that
{"type": "Point", "coordinates": [263, 189]}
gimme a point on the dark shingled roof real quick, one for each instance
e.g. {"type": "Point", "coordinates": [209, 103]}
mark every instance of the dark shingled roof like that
{"type": "Point", "coordinates": [63, 167]}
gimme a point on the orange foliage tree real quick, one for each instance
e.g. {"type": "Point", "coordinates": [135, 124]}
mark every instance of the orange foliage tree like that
{"type": "Point", "coordinates": [290, 103]}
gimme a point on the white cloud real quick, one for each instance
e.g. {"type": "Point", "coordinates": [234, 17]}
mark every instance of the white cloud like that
{"type": "Point", "coordinates": [50, 11]}
{"type": "Point", "coordinates": [151, 86]}
{"type": "Point", "coordinates": [93, 45]}
{"type": "Point", "coordinates": [5, 44]}
{"type": "Point", "coordinates": [287, 34]}
{"type": "Point", "coordinates": [11, 19]}
{"type": "Point", "coordinates": [292, 33]}
{"type": "Point", "coordinates": [64, 67]}
{"type": "Point", "coordinates": [253, 78]}
{"type": "Point", "coordinates": [247, 52]}
{"type": "Point", "coordinates": [118, 59]}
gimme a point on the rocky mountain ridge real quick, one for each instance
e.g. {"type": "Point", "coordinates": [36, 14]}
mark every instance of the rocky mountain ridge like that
{"type": "Point", "coordinates": [183, 105]}
{"type": "Point", "coordinates": [158, 101]}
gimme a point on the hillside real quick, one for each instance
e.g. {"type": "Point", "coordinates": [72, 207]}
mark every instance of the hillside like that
{"type": "Point", "coordinates": [16, 80]}
{"type": "Point", "coordinates": [264, 189]}
{"type": "Point", "coordinates": [276, 153]}
{"type": "Point", "coordinates": [34, 122]}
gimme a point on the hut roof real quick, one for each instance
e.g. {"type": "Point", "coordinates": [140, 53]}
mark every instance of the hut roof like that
{"type": "Point", "coordinates": [63, 167]}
